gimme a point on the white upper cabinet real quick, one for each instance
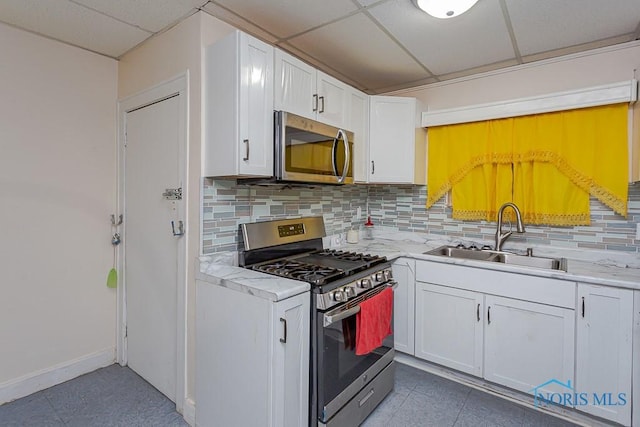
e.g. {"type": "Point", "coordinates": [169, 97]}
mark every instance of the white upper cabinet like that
{"type": "Point", "coordinates": [397, 143]}
{"type": "Point", "coordinates": [301, 89]}
{"type": "Point", "coordinates": [358, 103]}
{"type": "Point", "coordinates": [238, 107]}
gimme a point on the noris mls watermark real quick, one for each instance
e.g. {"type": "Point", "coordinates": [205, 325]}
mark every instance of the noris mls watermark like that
{"type": "Point", "coordinates": [567, 396]}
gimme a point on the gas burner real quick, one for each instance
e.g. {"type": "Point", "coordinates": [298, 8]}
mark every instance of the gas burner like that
{"type": "Point", "coordinates": [316, 274]}
{"type": "Point", "coordinates": [348, 256]}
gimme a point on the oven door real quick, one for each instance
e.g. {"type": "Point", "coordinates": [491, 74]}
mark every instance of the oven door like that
{"type": "Point", "coordinates": [310, 151]}
{"type": "Point", "coordinates": [341, 374]}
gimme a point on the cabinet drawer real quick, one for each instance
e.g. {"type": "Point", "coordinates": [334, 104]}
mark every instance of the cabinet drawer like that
{"type": "Point", "coordinates": [513, 285]}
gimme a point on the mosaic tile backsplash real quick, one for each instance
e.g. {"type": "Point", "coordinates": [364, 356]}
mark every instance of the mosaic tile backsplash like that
{"type": "Point", "coordinates": [226, 205]}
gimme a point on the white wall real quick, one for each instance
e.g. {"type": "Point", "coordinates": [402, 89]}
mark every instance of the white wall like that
{"type": "Point", "coordinates": [596, 67]}
{"type": "Point", "coordinates": [167, 55]}
{"type": "Point", "coordinates": [57, 190]}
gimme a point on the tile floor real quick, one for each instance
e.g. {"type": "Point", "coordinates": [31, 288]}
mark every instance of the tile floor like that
{"type": "Point", "coordinates": [111, 396]}
{"type": "Point", "coordinates": [424, 400]}
{"type": "Point", "coordinates": [117, 396]}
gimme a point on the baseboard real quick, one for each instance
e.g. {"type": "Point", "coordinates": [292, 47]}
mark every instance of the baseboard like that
{"type": "Point", "coordinates": [505, 393]}
{"type": "Point", "coordinates": [45, 378]}
{"type": "Point", "coordinates": [189, 412]}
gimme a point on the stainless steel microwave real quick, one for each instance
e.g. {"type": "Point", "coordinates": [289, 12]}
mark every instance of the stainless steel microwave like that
{"type": "Point", "coordinates": [311, 152]}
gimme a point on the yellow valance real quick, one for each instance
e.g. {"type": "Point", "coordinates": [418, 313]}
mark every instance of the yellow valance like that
{"type": "Point", "coordinates": [547, 164]}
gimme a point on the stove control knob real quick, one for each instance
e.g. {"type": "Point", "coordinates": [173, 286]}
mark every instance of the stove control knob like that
{"type": "Point", "coordinates": [339, 296]}
{"type": "Point", "coordinates": [365, 283]}
{"type": "Point", "coordinates": [349, 291]}
{"type": "Point", "coordinates": [379, 277]}
{"type": "Point", "coordinates": [387, 274]}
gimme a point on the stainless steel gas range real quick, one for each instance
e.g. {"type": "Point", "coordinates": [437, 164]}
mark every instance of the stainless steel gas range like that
{"type": "Point", "coordinates": [344, 387]}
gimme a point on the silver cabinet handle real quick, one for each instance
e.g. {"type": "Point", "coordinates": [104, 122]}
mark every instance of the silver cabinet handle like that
{"type": "Point", "coordinates": [315, 102]}
{"type": "Point", "coordinates": [180, 228]}
{"type": "Point", "coordinates": [284, 340]}
{"type": "Point", "coordinates": [322, 102]}
{"type": "Point", "coordinates": [583, 307]}
{"type": "Point", "coordinates": [478, 313]}
{"type": "Point", "coordinates": [366, 397]}
{"type": "Point", "coordinates": [246, 148]}
{"type": "Point", "coordinates": [373, 167]}
{"type": "Point", "coordinates": [489, 315]}
{"type": "Point", "coordinates": [329, 319]}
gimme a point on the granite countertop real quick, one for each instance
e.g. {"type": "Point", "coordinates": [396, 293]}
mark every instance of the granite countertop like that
{"type": "Point", "coordinates": [595, 267]}
{"type": "Point", "coordinates": [223, 271]}
{"type": "Point", "coordinates": [607, 268]}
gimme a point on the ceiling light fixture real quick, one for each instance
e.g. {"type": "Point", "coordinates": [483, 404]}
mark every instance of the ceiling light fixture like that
{"type": "Point", "coordinates": [445, 8]}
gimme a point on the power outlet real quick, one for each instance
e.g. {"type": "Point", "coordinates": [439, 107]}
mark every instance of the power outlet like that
{"type": "Point", "coordinates": [358, 212]}
{"type": "Point", "coordinates": [638, 231]}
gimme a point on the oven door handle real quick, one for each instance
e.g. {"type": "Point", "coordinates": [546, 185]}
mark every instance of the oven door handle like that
{"type": "Point", "coordinates": [333, 318]}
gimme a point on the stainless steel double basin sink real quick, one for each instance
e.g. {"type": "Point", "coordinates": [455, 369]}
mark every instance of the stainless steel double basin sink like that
{"type": "Point", "coordinates": [500, 257]}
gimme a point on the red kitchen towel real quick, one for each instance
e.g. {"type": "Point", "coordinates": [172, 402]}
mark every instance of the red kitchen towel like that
{"type": "Point", "coordinates": [373, 322]}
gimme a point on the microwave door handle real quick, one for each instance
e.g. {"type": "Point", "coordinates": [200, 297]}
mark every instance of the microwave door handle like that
{"type": "Point", "coordinates": [334, 157]}
{"type": "Point", "coordinates": [347, 155]}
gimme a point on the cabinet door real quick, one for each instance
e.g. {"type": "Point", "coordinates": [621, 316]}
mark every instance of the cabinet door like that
{"type": "Point", "coordinates": [256, 107]}
{"type": "Point", "coordinates": [403, 305]}
{"type": "Point", "coordinates": [359, 124]}
{"type": "Point", "coordinates": [604, 349]}
{"type": "Point", "coordinates": [392, 139]}
{"type": "Point", "coordinates": [238, 107]}
{"type": "Point", "coordinates": [332, 100]}
{"type": "Point", "coordinates": [291, 362]}
{"type": "Point", "coordinates": [527, 344]}
{"type": "Point", "coordinates": [449, 327]}
{"type": "Point", "coordinates": [295, 86]}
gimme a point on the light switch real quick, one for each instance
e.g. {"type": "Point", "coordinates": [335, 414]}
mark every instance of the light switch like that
{"type": "Point", "coordinates": [638, 231]}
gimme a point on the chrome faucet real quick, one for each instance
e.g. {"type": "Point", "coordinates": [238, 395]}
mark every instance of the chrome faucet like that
{"type": "Point", "coordinates": [500, 236]}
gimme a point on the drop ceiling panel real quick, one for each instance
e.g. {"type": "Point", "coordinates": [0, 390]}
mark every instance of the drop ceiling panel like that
{"type": "Point", "coordinates": [285, 18]}
{"type": "Point", "coordinates": [150, 15]}
{"type": "Point", "coordinates": [72, 23]}
{"type": "Point", "coordinates": [478, 37]}
{"type": "Point", "coordinates": [554, 24]}
{"type": "Point", "coordinates": [237, 21]}
{"type": "Point", "coordinates": [356, 47]}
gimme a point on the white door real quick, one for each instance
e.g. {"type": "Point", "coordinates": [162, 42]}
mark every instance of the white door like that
{"type": "Point", "coordinates": [604, 349]}
{"type": "Point", "coordinates": [527, 344]}
{"type": "Point", "coordinates": [291, 361]}
{"type": "Point", "coordinates": [151, 250]}
{"type": "Point", "coordinates": [403, 305]}
{"type": "Point", "coordinates": [449, 327]}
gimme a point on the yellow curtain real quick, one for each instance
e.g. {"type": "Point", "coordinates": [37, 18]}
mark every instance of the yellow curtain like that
{"type": "Point", "coordinates": [548, 164]}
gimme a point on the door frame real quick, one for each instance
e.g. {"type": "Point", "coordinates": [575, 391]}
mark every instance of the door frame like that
{"type": "Point", "coordinates": [178, 85]}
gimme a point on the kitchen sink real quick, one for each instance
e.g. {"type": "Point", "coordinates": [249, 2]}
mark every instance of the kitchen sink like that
{"type": "Point", "coordinates": [533, 261]}
{"type": "Point", "coordinates": [453, 252]}
{"type": "Point", "coordinates": [501, 257]}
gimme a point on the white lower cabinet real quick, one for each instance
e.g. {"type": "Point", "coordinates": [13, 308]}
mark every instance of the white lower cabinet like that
{"type": "Point", "coordinates": [449, 327]}
{"type": "Point", "coordinates": [252, 359]}
{"type": "Point", "coordinates": [604, 320]}
{"type": "Point", "coordinates": [527, 344]}
{"type": "Point", "coordinates": [403, 271]}
{"type": "Point", "coordinates": [512, 329]}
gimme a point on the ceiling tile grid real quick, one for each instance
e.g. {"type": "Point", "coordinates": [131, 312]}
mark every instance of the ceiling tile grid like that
{"type": "Point", "coordinates": [478, 37]}
{"type": "Point", "coordinates": [375, 45]}
{"type": "Point", "coordinates": [554, 24]}
{"type": "Point", "coordinates": [150, 15]}
{"type": "Point", "coordinates": [356, 46]}
{"type": "Point", "coordinates": [72, 23]}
